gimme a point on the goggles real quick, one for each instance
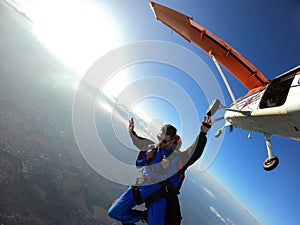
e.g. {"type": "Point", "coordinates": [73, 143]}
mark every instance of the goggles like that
{"type": "Point", "coordinates": [160, 139]}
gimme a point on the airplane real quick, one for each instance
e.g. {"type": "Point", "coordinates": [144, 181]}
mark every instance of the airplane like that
{"type": "Point", "coordinates": [271, 107]}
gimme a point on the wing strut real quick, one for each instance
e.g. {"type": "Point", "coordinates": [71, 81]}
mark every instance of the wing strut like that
{"type": "Point", "coordinates": [224, 79]}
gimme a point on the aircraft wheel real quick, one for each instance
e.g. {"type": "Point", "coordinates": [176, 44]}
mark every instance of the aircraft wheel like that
{"type": "Point", "coordinates": [271, 163]}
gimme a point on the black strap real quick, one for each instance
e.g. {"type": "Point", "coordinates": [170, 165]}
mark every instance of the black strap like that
{"type": "Point", "coordinates": [137, 194]}
{"type": "Point", "coordinates": [165, 191]}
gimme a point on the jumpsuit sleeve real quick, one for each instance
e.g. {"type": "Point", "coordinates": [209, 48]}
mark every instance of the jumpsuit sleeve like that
{"type": "Point", "coordinates": [140, 142]}
{"type": "Point", "coordinates": [141, 159]}
{"type": "Point", "coordinates": [194, 152]}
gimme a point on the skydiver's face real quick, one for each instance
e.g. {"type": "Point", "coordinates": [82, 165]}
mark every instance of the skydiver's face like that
{"type": "Point", "coordinates": [164, 141]}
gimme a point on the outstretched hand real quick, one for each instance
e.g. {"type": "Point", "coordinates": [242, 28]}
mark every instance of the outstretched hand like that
{"type": "Point", "coordinates": [131, 125]}
{"type": "Point", "coordinates": [206, 124]}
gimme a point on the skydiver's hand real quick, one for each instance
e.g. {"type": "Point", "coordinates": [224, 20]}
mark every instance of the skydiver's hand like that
{"type": "Point", "coordinates": [165, 162]}
{"type": "Point", "coordinates": [131, 125]}
{"type": "Point", "coordinates": [206, 124]}
{"type": "Point", "coordinates": [149, 154]}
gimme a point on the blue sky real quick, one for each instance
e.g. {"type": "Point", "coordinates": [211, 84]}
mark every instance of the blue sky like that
{"type": "Point", "coordinates": [267, 33]}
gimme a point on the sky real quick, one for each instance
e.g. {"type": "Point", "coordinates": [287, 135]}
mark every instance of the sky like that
{"type": "Point", "coordinates": [267, 33]}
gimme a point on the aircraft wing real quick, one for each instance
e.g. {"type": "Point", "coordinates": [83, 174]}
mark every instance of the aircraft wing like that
{"type": "Point", "coordinates": [193, 32]}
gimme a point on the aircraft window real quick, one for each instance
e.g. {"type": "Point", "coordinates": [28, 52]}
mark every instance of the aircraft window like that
{"type": "Point", "coordinates": [277, 92]}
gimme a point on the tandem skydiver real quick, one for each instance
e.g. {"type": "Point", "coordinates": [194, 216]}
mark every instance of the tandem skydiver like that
{"type": "Point", "coordinates": [173, 212]}
{"type": "Point", "coordinates": [161, 177]}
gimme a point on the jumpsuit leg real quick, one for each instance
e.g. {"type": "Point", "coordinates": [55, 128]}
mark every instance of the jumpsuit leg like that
{"type": "Point", "coordinates": [122, 210]}
{"type": "Point", "coordinates": [157, 212]}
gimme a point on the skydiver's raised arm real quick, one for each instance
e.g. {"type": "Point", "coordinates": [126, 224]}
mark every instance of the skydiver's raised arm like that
{"type": "Point", "coordinates": [139, 142]}
{"type": "Point", "coordinates": [194, 152]}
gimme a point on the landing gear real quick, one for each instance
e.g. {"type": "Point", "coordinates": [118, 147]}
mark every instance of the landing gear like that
{"type": "Point", "coordinates": [272, 161]}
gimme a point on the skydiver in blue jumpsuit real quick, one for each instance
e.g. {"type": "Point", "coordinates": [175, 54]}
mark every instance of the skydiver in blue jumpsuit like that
{"type": "Point", "coordinates": [154, 174]}
{"type": "Point", "coordinates": [188, 157]}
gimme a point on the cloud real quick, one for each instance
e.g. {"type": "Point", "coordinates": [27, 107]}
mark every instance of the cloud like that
{"type": "Point", "coordinates": [217, 214]}
{"type": "Point", "coordinates": [230, 222]}
{"type": "Point", "coordinates": [226, 221]}
{"type": "Point", "coordinates": [209, 193]}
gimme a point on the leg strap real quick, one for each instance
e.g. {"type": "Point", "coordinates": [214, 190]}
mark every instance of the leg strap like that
{"type": "Point", "coordinates": [164, 192]}
{"type": "Point", "coordinates": [137, 194]}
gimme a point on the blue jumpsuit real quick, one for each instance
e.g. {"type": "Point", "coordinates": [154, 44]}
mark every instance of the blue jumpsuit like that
{"type": "Point", "coordinates": [122, 209]}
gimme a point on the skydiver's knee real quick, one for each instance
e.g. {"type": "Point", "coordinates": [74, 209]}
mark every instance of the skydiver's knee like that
{"type": "Point", "coordinates": [113, 212]}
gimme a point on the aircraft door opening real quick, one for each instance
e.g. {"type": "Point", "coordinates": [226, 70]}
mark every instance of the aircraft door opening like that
{"type": "Point", "coordinates": [277, 92]}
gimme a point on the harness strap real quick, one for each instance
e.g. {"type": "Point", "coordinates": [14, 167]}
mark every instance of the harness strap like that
{"type": "Point", "coordinates": [164, 192]}
{"type": "Point", "coordinates": [137, 194]}
{"type": "Point", "coordinates": [135, 188]}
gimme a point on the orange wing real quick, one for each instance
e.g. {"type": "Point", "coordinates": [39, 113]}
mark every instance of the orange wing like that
{"type": "Point", "coordinates": [193, 32]}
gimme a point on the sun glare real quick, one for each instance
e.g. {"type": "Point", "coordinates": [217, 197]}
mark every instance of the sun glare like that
{"type": "Point", "coordinates": [76, 31]}
{"type": "Point", "coordinates": [116, 83]}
